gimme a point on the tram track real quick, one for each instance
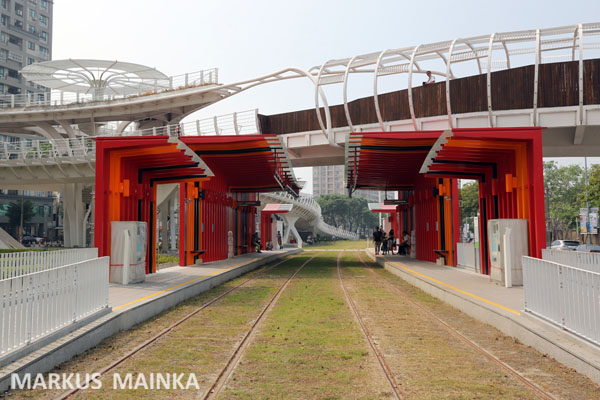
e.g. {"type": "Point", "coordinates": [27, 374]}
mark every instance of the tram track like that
{"type": "Point", "coordinates": [398, 394]}
{"type": "Point", "coordinates": [538, 391]}
{"type": "Point", "coordinates": [235, 357]}
{"type": "Point", "coordinates": [168, 329]}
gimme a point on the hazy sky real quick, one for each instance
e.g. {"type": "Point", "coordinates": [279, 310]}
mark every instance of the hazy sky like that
{"type": "Point", "coordinates": [245, 39]}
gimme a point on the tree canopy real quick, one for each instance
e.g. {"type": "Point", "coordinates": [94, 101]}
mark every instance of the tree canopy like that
{"type": "Point", "coordinates": [593, 190]}
{"type": "Point", "coordinates": [351, 214]}
{"type": "Point", "coordinates": [565, 192]}
{"type": "Point", "coordinates": [469, 202]}
{"type": "Point", "coordinates": [14, 213]}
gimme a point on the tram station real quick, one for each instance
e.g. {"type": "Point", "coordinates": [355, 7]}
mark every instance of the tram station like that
{"type": "Point", "coordinates": [190, 246]}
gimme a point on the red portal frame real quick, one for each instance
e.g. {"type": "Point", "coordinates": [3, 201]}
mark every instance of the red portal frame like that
{"type": "Point", "coordinates": [507, 162]}
{"type": "Point", "coordinates": [214, 173]}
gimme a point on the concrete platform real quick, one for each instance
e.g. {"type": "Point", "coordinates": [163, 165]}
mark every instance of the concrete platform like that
{"type": "Point", "coordinates": [501, 307]}
{"type": "Point", "coordinates": [132, 304]}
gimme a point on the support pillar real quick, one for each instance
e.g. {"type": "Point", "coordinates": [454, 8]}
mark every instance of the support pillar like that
{"type": "Point", "coordinates": [290, 221]}
{"type": "Point", "coordinates": [73, 208]}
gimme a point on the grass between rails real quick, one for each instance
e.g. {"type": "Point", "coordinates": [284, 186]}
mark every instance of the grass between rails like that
{"type": "Point", "coordinates": [562, 382]}
{"type": "Point", "coordinates": [310, 346]}
{"type": "Point", "coordinates": [338, 244]}
{"type": "Point", "coordinates": [427, 361]}
{"type": "Point", "coordinates": [202, 344]}
{"type": "Point", "coordinates": [116, 346]}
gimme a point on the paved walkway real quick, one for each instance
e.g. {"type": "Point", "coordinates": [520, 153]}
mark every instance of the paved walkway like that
{"type": "Point", "coordinates": [173, 278]}
{"type": "Point", "coordinates": [501, 307]}
{"type": "Point", "coordinates": [477, 286]}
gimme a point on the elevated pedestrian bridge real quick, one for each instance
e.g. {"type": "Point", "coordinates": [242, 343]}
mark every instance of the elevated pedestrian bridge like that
{"type": "Point", "coordinates": [305, 216]}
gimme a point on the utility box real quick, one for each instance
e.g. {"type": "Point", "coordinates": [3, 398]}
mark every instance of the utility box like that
{"type": "Point", "coordinates": [129, 239]}
{"type": "Point", "coordinates": [508, 243]}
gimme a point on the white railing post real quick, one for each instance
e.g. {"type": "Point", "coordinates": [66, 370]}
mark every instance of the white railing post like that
{"type": "Point", "coordinates": [153, 131]}
{"type": "Point", "coordinates": [170, 82]}
{"type": "Point", "coordinates": [198, 132]}
{"type": "Point", "coordinates": [216, 125]}
{"type": "Point", "coordinates": [12, 101]}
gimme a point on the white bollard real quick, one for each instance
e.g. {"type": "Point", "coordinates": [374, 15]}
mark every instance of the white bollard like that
{"type": "Point", "coordinates": [126, 257]}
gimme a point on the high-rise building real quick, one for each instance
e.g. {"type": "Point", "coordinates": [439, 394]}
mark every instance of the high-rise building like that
{"type": "Point", "coordinates": [330, 179]}
{"type": "Point", "coordinates": [25, 38]}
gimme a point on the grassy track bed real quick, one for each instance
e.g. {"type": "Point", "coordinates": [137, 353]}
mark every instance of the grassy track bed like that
{"type": "Point", "coordinates": [198, 345]}
{"type": "Point", "coordinates": [309, 346]}
{"type": "Point", "coordinates": [338, 244]}
{"type": "Point", "coordinates": [437, 365]}
{"type": "Point", "coordinates": [427, 362]}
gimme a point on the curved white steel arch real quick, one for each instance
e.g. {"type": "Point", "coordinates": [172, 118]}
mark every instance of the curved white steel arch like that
{"type": "Point", "coordinates": [568, 38]}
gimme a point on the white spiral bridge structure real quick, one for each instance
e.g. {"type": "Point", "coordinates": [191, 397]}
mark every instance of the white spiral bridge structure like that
{"type": "Point", "coordinates": [305, 216]}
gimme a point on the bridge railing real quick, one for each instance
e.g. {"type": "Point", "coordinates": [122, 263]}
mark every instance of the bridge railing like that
{"type": "Point", "coordinates": [563, 295]}
{"type": "Point", "coordinates": [18, 152]}
{"type": "Point", "coordinates": [58, 98]}
{"type": "Point", "coordinates": [237, 123]}
{"type": "Point", "coordinates": [83, 147]}
{"type": "Point", "coordinates": [37, 304]}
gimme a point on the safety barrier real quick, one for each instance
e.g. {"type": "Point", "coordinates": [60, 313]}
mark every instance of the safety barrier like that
{"type": "Point", "coordinates": [563, 295]}
{"type": "Point", "coordinates": [466, 255]}
{"type": "Point", "coordinates": [577, 259]}
{"type": "Point", "coordinates": [84, 148]}
{"type": "Point", "coordinates": [17, 264]}
{"type": "Point", "coordinates": [59, 98]}
{"type": "Point", "coordinates": [37, 304]}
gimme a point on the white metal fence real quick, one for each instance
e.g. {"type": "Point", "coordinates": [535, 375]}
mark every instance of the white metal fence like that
{"type": "Point", "coordinates": [83, 148]}
{"type": "Point", "coordinates": [21, 263]}
{"type": "Point", "coordinates": [37, 304]}
{"type": "Point", "coordinates": [57, 98]}
{"type": "Point", "coordinates": [466, 255]}
{"type": "Point", "coordinates": [566, 296]}
{"type": "Point", "coordinates": [577, 259]}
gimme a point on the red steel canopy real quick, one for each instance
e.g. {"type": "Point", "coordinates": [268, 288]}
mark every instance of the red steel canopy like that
{"type": "Point", "coordinates": [277, 208]}
{"type": "Point", "coordinates": [386, 161]}
{"type": "Point", "coordinates": [250, 163]}
{"type": "Point", "coordinates": [382, 208]}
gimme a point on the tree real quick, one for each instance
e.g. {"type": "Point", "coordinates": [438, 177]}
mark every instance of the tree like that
{"type": "Point", "coordinates": [469, 202]}
{"type": "Point", "coordinates": [565, 192]}
{"type": "Point", "coordinates": [14, 214]}
{"type": "Point", "coordinates": [593, 189]}
{"type": "Point", "coordinates": [350, 213]}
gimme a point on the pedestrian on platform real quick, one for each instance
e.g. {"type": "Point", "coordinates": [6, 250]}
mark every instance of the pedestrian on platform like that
{"type": "Point", "coordinates": [255, 242]}
{"type": "Point", "coordinates": [377, 239]}
{"type": "Point", "coordinates": [391, 239]}
{"type": "Point", "coordinates": [403, 248]}
{"type": "Point", "coordinates": [279, 240]}
{"type": "Point", "coordinates": [384, 243]}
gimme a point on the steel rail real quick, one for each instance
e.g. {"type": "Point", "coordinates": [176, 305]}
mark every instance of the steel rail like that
{"type": "Point", "coordinates": [398, 394]}
{"type": "Point", "coordinates": [168, 329]}
{"type": "Point", "coordinates": [538, 391]}
{"type": "Point", "coordinates": [235, 358]}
